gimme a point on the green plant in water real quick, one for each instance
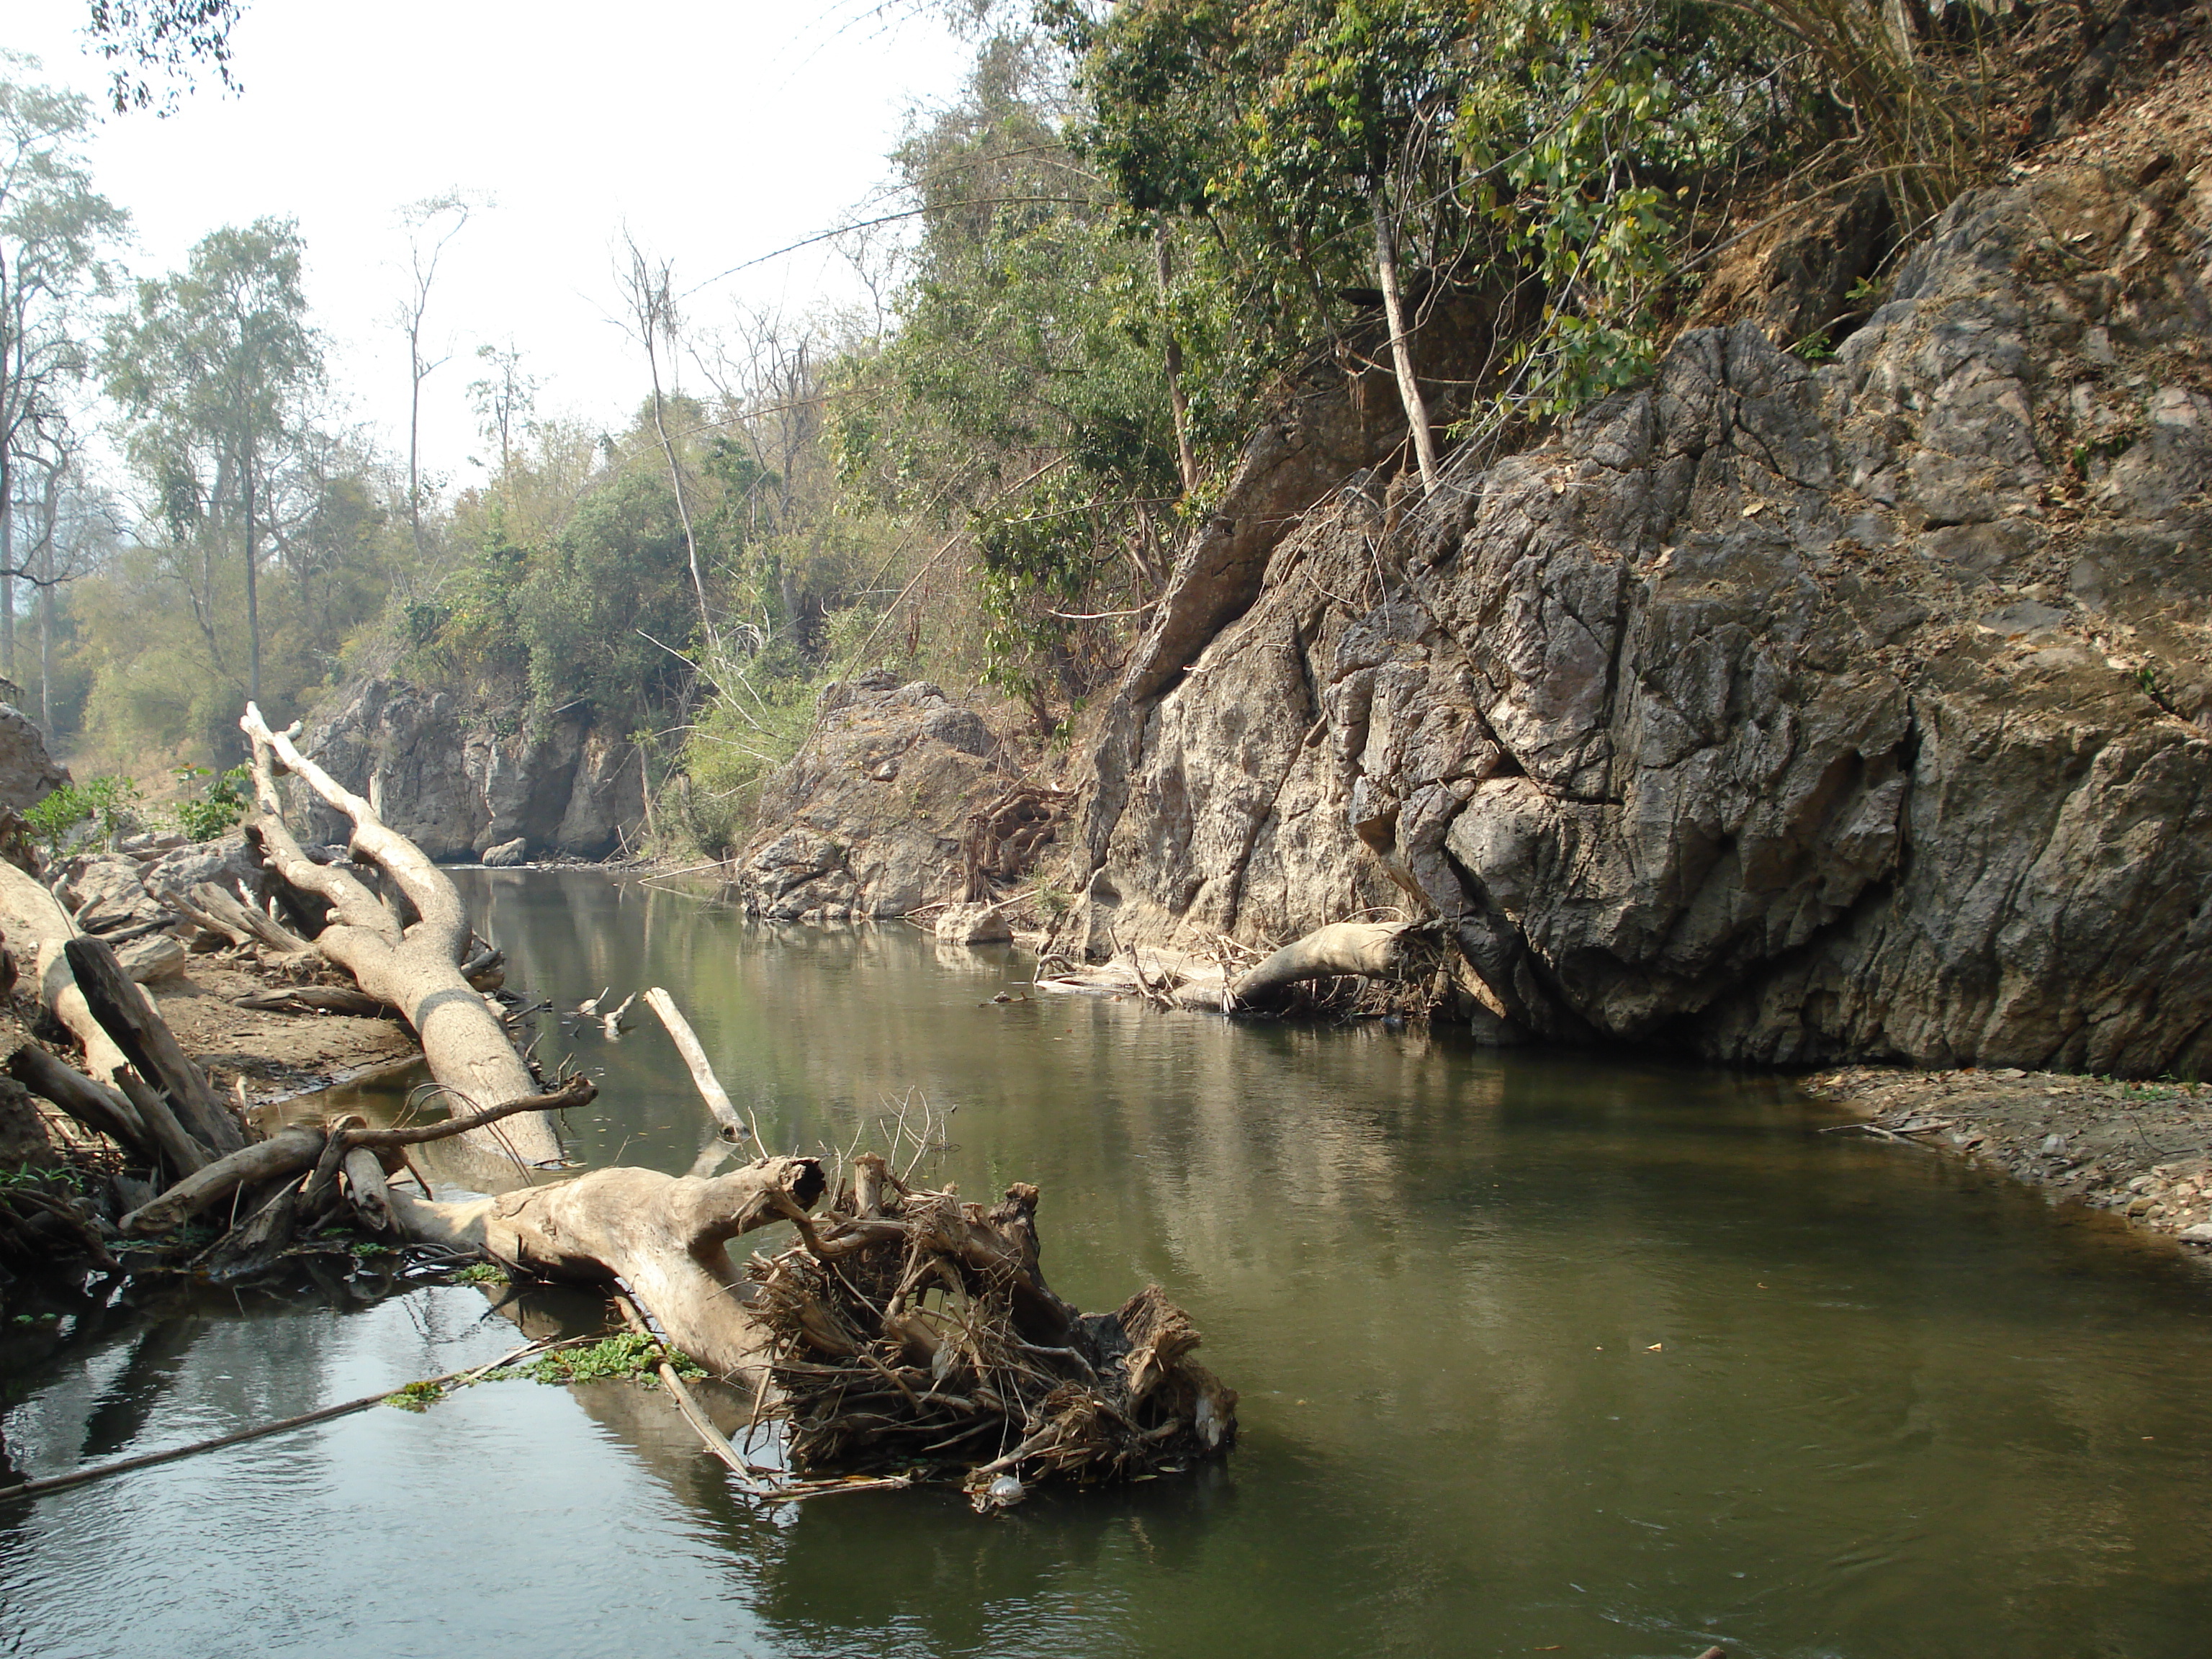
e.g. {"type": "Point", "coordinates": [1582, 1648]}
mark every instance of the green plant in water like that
{"type": "Point", "coordinates": [417, 1396]}
{"type": "Point", "coordinates": [625, 1356]}
{"type": "Point", "coordinates": [482, 1273]}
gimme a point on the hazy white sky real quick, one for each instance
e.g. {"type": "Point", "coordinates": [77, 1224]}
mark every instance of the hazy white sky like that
{"type": "Point", "coordinates": [715, 131]}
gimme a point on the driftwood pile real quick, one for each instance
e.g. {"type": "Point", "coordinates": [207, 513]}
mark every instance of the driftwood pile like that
{"type": "Point", "coordinates": [907, 1330]}
{"type": "Point", "coordinates": [913, 1331]}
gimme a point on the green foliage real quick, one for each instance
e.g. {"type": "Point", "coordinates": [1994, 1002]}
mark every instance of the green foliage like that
{"type": "Point", "coordinates": [624, 1357]}
{"type": "Point", "coordinates": [1528, 148]}
{"type": "Point", "coordinates": [221, 804]}
{"type": "Point", "coordinates": [109, 803]}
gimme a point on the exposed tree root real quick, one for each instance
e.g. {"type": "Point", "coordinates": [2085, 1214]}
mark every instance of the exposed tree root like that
{"type": "Point", "coordinates": [916, 1332]}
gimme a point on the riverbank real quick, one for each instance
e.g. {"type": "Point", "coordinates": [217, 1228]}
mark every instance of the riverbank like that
{"type": "Point", "coordinates": [2140, 1149]}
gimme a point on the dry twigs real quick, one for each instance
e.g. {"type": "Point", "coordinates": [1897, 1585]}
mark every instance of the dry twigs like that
{"type": "Point", "coordinates": [915, 1332]}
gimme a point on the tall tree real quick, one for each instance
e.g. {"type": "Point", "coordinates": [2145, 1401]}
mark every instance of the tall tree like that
{"type": "Point", "coordinates": [432, 223]}
{"type": "Point", "coordinates": [212, 366]}
{"type": "Point", "coordinates": [53, 228]}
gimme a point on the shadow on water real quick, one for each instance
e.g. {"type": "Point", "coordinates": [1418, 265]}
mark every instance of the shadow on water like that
{"type": "Point", "coordinates": [1538, 1353]}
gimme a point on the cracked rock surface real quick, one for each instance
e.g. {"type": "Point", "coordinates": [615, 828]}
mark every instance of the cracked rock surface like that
{"type": "Point", "coordinates": [1774, 712]}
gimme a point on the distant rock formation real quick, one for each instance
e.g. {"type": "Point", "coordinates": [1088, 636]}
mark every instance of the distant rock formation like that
{"type": "Point", "coordinates": [458, 779]}
{"type": "Point", "coordinates": [874, 816]}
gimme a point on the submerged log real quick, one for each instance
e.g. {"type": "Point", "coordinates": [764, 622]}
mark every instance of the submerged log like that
{"type": "Point", "coordinates": [417, 968]}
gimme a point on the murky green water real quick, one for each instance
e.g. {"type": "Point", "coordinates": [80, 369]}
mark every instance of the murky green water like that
{"type": "Point", "coordinates": [1538, 1354]}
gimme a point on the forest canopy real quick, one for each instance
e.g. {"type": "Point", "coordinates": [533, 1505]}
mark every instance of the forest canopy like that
{"type": "Point", "coordinates": [1136, 230]}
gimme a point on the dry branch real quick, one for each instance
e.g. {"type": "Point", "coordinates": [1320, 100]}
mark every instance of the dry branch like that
{"type": "Point", "coordinates": [417, 967]}
{"type": "Point", "coordinates": [694, 1060]}
{"type": "Point", "coordinates": [101, 1111]}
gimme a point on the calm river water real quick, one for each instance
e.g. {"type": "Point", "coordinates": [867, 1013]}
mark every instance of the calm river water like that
{"type": "Point", "coordinates": [1539, 1354]}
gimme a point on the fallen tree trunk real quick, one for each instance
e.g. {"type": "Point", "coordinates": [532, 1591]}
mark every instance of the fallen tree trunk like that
{"type": "Point", "coordinates": [128, 1015]}
{"type": "Point", "coordinates": [1370, 950]}
{"type": "Point", "coordinates": [415, 968]}
{"type": "Point", "coordinates": [663, 1236]}
{"type": "Point", "coordinates": [32, 916]}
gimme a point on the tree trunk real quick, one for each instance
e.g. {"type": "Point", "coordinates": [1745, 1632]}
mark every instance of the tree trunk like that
{"type": "Point", "coordinates": [416, 969]}
{"type": "Point", "coordinates": [1401, 345]}
{"type": "Point", "coordinates": [1372, 950]}
{"type": "Point", "coordinates": [252, 597]}
{"type": "Point", "coordinates": [663, 1236]}
{"type": "Point", "coordinates": [1186, 459]}
{"type": "Point", "coordinates": [128, 1015]}
{"type": "Point", "coordinates": [32, 916]}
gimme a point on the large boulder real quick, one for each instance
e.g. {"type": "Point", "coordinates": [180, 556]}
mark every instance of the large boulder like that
{"type": "Point", "coordinates": [871, 817]}
{"type": "Point", "coordinates": [27, 774]}
{"type": "Point", "coordinates": [1772, 712]}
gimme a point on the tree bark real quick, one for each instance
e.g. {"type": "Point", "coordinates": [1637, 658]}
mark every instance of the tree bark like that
{"type": "Point", "coordinates": [663, 1236]}
{"type": "Point", "coordinates": [128, 1015]}
{"type": "Point", "coordinates": [1401, 345]}
{"type": "Point", "coordinates": [184, 1155]}
{"type": "Point", "coordinates": [31, 915]}
{"type": "Point", "coordinates": [416, 969]}
{"type": "Point", "coordinates": [1369, 949]}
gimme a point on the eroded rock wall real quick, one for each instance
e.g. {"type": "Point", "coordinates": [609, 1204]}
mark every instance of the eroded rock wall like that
{"type": "Point", "coordinates": [458, 779]}
{"type": "Point", "coordinates": [1774, 712]}
{"type": "Point", "coordinates": [870, 818]}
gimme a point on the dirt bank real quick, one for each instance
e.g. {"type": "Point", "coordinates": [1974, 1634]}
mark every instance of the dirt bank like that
{"type": "Point", "coordinates": [2143, 1149]}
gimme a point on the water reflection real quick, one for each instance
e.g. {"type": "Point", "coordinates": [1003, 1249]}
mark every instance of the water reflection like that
{"type": "Point", "coordinates": [1535, 1351]}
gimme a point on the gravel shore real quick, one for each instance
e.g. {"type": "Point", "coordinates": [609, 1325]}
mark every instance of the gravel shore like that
{"type": "Point", "coordinates": [2141, 1149]}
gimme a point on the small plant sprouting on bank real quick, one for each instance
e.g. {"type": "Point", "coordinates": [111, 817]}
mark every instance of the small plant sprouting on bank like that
{"type": "Point", "coordinates": [220, 802]}
{"type": "Point", "coordinates": [109, 803]}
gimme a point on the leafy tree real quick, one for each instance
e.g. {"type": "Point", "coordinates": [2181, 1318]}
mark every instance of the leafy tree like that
{"type": "Point", "coordinates": [213, 366]}
{"type": "Point", "coordinates": [53, 228]}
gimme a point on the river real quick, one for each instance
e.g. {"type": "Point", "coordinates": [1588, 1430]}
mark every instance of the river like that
{"type": "Point", "coordinates": [1538, 1353]}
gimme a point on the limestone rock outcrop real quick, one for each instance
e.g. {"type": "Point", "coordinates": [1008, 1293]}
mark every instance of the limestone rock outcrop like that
{"type": "Point", "coordinates": [27, 773]}
{"type": "Point", "coordinates": [458, 780]}
{"type": "Point", "coordinates": [1775, 711]}
{"type": "Point", "coordinates": [873, 817]}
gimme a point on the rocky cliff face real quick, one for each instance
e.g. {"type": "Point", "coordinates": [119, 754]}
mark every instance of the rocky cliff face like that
{"type": "Point", "coordinates": [880, 812]}
{"type": "Point", "coordinates": [1775, 712]}
{"type": "Point", "coordinates": [27, 774]}
{"type": "Point", "coordinates": [460, 780]}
